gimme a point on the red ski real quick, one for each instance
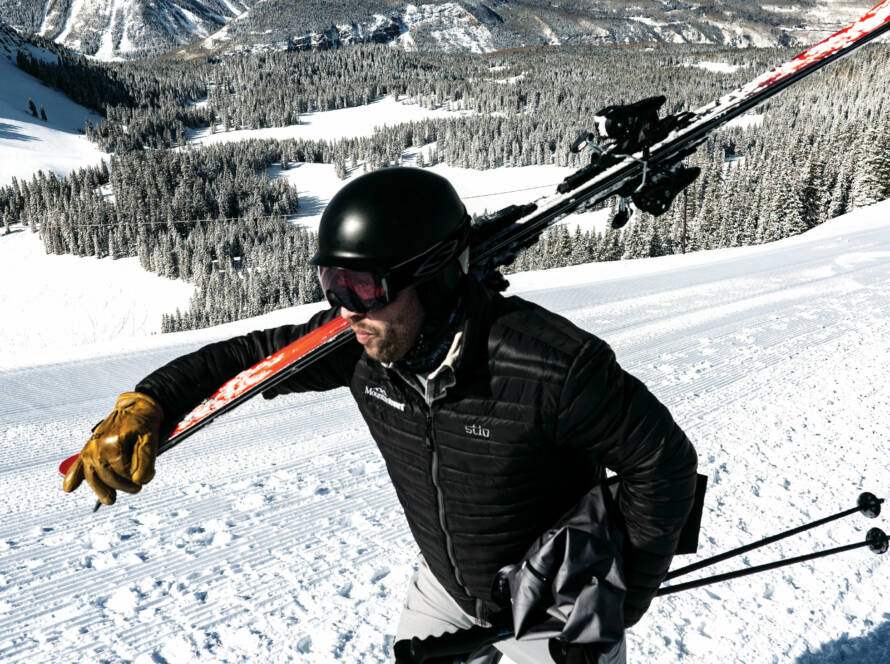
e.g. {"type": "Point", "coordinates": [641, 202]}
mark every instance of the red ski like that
{"type": "Point", "coordinates": [274, 369]}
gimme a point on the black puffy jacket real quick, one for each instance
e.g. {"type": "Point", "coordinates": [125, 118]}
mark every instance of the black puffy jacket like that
{"type": "Point", "coordinates": [500, 445]}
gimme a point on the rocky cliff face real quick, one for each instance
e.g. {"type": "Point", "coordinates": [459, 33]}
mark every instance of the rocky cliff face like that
{"type": "Point", "coordinates": [116, 29]}
{"type": "Point", "coordinates": [438, 27]}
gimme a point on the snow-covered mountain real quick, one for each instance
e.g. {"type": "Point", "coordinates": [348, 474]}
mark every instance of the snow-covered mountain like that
{"type": "Point", "coordinates": [443, 27]}
{"type": "Point", "coordinates": [120, 29]}
{"type": "Point", "coordinates": [110, 29]}
{"type": "Point", "coordinates": [476, 26]}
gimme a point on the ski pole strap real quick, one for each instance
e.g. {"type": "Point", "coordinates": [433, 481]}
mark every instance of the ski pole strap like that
{"type": "Point", "coordinates": [867, 504]}
{"type": "Point", "coordinates": [876, 540]}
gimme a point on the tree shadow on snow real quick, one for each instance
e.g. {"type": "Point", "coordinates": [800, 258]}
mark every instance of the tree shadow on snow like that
{"type": "Point", "coordinates": [13, 133]}
{"type": "Point", "coordinates": [310, 205]}
{"type": "Point", "coordinates": [873, 648]}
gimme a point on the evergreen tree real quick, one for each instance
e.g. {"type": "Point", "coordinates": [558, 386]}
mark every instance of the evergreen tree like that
{"type": "Point", "coordinates": [813, 191]}
{"type": "Point", "coordinates": [840, 193]}
{"type": "Point", "coordinates": [786, 214]}
{"type": "Point", "coordinates": [612, 245]}
{"type": "Point", "coordinates": [636, 238]}
{"type": "Point", "coordinates": [872, 180]}
{"type": "Point", "coordinates": [656, 243]}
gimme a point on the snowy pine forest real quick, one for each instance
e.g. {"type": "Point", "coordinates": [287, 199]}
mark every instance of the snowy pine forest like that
{"type": "Point", "coordinates": [214, 216]}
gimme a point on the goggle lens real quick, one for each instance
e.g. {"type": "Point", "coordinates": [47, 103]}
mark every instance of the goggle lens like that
{"type": "Point", "coordinates": [357, 291]}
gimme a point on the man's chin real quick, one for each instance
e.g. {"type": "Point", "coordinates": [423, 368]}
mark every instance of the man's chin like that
{"type": "Point", "coordinates": [383, 354]}
{"type": "Point", "coordinates": [373, 351]}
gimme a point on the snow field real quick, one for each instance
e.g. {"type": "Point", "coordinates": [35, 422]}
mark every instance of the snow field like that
{"type": "Point", "coordinates": [28, 144]}
{"type": "Point", "coordinates": [55, 303]}
{"type": "Point", "coordinates": [717, 67]}
{"type": "Point", "coordinates": [353, 122]}
{"type": "Point", "coordinates": [481, 191]}
{"type": "Point", "coordinates": [274, 535]}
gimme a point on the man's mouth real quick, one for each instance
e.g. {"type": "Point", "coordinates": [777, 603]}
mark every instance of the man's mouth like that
{"type": "Point", "coordinates": [362, 335]}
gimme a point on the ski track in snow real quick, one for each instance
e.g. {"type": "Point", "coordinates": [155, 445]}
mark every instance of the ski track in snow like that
{"type": "Point", "coordinates": [275, 535]}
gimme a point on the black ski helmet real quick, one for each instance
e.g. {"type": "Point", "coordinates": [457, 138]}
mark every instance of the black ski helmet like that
{"type": "Point", "coordinates": [406, 224]}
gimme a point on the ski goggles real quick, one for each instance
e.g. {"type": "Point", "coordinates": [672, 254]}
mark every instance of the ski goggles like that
{"type": "Point", "coordinates": [361, 291]}
{"type": "Point", "coordinates": [357, 291]}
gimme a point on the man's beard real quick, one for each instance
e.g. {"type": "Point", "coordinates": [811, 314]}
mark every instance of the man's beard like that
{"type": "Point", "coordinates": [389, 343]}
{"type": "Point", "coordinates": [393, 330]}
{"type": "Point", "coordinates": [383, 348]}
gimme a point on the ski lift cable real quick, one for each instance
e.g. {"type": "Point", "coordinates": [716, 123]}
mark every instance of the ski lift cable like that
{"type": "Point", "coordinates": [162, 222]}
{"type": "Point", "coordinates": [272, 217]}
{"type": "Point", "coordinates": [511, 191]}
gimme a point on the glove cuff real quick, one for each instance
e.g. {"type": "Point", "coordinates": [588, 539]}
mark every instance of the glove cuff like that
{"type": "Point", "coordinates": [139, 403]}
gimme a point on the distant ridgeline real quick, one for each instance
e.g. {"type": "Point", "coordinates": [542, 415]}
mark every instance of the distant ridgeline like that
{"type": "Point", "coordinates": [823, 148]}
{"type": "Point", "coordinates": [141, 29]}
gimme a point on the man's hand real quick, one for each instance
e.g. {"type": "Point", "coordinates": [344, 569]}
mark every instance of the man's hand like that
{"type": "Point", "coordinates": [120, 455]}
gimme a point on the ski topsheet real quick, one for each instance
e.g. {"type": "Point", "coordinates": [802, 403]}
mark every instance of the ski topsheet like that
{"type": "Point", "coordinates": [279, 366]}
{"type": "Point", "coordinates": [504, 245]}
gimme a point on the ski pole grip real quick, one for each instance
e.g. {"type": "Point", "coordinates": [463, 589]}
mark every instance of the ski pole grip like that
{"type": "Point", "coordinates": [436, 649]}
{"type": "Point", "coordinates": [869, 504]}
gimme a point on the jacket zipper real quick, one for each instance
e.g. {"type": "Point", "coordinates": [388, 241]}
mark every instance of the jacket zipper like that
{"type": "Point", "coordinates": [429, 399]}
{"type": "Point", "coordinates": [440, 501]}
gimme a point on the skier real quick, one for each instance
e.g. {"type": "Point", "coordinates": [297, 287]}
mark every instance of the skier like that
{"type": "Point", "coordinates": [495, 416]}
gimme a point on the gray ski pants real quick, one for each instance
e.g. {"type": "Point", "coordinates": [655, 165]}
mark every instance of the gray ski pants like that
{"type": "Point", "coordinates": [429, 610]}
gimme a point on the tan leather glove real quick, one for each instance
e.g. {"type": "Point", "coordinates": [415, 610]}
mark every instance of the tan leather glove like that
{"type": "Point", "coordinates": [120, 455]}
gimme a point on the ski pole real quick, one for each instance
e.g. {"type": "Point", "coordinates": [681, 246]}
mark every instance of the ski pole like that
{"type": "Point", "coordinates": [876, 539]}
{"type": "Point", "coordinates": [416, 650]}
{"type": "Point", "coordinates": [867, 504]}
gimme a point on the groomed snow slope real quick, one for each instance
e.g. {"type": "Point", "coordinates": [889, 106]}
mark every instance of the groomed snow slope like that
{"type": "Point", "coordinates": [275, 536]}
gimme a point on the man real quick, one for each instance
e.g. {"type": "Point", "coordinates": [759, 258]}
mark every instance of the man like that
{"type": "Point", "coordinates": [496, 418]}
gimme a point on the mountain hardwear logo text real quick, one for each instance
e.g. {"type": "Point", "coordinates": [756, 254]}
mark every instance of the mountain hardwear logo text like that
{"type": "Point", "coordinates": [380, 393]}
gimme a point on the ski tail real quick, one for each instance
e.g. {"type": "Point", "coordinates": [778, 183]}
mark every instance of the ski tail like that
{"type": "Point", "coordinates": [278, 367]}
{"type": "Point", "coordinates": [868, 27]}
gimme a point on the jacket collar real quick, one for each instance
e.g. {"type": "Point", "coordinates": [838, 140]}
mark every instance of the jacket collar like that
{"type": "Point", "coordinates": [434, 385]}
{"type": "Point", "coordinates": [480, 306]}
{"type": "Point", "coordinates": [468, 349]}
